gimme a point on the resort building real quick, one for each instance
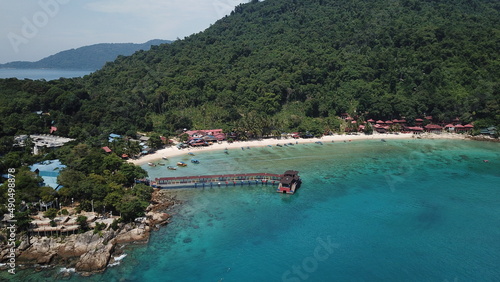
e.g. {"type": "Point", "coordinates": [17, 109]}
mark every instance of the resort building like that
{"type": "Point", "coordinates": [210, 135]}
{"type": "Point", "coordinates": [49, 171]}
{"type": "Point", "coordinates": [41, 141]}
{"type": "Point", "coordinates": [492, 130]}
{"type": "Point", "coordinates": [420, 125]}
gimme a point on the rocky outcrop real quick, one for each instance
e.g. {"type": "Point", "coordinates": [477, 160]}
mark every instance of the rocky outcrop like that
{"type": "Point", "coordinates": [131, 234]}
{"type": "Point", "coordinates": [157, 218]}
{"type": "Point", "coordinates": [41, 251]}
{"type": "Point", "coordinates": [80, 244]}
{"type": "Point", "coordinates": [95, 259]}
{"type": "Point", "coordinates": [88, 252]}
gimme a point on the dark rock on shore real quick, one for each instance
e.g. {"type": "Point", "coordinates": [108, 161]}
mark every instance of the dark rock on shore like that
{"type": "Point", "coordinates": [88, 252]}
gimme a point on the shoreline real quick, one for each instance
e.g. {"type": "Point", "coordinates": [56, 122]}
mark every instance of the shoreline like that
{"type": "Point", "coordinates": [173, 151]}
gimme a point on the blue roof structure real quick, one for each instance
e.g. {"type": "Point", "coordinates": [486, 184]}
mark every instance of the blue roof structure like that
{"type": "Point", "coordinates": [112, 137]}
{"type": "Point", "coordinates": [49, 170]}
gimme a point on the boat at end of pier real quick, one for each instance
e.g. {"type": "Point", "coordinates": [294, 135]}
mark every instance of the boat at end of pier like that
{"type": "Point", "coordinates": [289, 183]}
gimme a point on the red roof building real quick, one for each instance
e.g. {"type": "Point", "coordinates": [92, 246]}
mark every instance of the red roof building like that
{"type": "Point", "coordinates": [106, 149]}
{"type": "Point", "coordinates": [415, 129]}
{"type": "Point", "coordinates": [433, 128]}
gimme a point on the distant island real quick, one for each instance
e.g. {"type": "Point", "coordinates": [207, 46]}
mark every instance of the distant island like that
{"type": "Point", "coordinates": [92, 57]}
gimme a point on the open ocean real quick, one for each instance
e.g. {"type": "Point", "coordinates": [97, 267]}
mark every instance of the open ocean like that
{"type": "Point", "coordinates": [401, 210]}
{"type": "Point", "coordinates": [47, 74]}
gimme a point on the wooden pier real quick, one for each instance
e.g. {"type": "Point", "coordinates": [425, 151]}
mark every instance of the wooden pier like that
{"type": "Point", "coordinates": [222, 180]}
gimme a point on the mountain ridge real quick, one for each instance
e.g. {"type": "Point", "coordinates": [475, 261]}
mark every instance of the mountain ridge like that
{"type": "Point", "coordinates": [90, 57]}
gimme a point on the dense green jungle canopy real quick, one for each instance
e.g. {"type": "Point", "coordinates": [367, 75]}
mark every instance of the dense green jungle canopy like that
{"type": "Point", "coordinates": [269, 67]}
{"type": "Point", "coordinates": [287, 65]}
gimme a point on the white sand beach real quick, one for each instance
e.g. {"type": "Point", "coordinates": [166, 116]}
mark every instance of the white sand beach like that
{"type": "Point", "coordinates": [174, 151]}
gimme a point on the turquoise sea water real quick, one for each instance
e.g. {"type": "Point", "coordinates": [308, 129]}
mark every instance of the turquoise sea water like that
{"type": "Point", "coordinates": [404, 210]}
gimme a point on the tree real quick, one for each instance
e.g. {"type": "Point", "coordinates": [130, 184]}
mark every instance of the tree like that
{"type": "Point", "coordinates": [155, 141]}
{"type": "Point", "coordinates": [82, 222]}
{"type": "Point", "coordinates": [51, 213]}
{"type": "Point", "coordinates": [368, 128]}
{"type": "Point", "coordinates": [131, 207]}
{"type": "Point", "coordinates": [132, 172]}
{"type": "Point", "coordinates": [23, 222]}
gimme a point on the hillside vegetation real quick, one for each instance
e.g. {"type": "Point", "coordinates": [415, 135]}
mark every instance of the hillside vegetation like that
{"type": "Point", "coordinates": [285, 65]}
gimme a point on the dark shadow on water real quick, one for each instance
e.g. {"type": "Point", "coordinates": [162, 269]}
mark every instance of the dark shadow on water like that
{"type": "Point", "coordinates": [430, 217]}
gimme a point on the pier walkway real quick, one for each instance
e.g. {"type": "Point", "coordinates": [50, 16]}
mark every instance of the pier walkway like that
{"type": "Point", "coordinates": [222, 180]}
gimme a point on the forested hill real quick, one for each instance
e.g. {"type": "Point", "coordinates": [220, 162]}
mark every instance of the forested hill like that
{"type": "Point", "coordinates": [315, 58]}
{"type": "Point", "coordinates": [290, 65]}
{"type": "Point", "coordinates": [90, 57]}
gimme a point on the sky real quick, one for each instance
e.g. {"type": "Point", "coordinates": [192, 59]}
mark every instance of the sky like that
{"type": "Point", "coordinates": [31, 30]}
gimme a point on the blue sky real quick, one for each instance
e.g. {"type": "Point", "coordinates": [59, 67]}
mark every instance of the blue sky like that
{"type": "Point", "coordinates": [33, 29]}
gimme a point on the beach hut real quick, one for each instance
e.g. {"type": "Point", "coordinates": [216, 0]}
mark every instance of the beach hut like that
{"type": "Point", "coordinates": [415, 129]}
{"type": "Point", "coordinates": [492, 130]}
{"type": "Point", "coordinates": [459, 128]}
{"type": "Point", "coordinates": [449, 127]}
{"type": "Point", "coordinates": [381, 129]}
{"type": "Point", "coordinates": [433, 128]}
